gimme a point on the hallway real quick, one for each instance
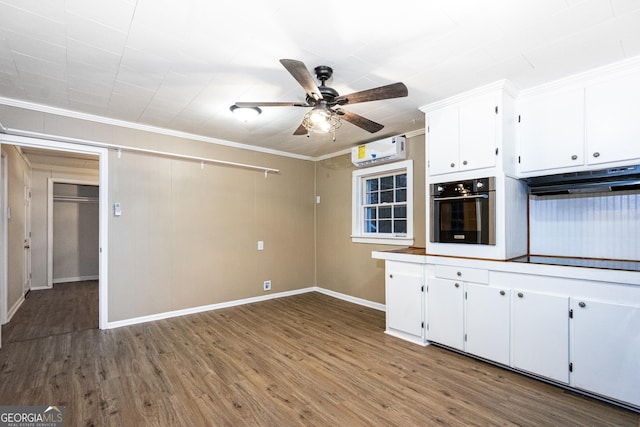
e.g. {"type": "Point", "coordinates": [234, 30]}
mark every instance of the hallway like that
{"type": "Point", "coordinates": [68, 307]}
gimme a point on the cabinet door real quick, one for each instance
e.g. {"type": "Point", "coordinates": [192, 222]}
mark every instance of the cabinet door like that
{"type": "Point", "coordinates": [487, 322]}
{"type": "Point", "coordinates": [443, 136]}
{"type": "Point", "coordinates": [404, 298]}
{"type": "Point", "coordinates": [613, 128]}
{"type": "Point", "coordinates": [478, 133]}
{"type": "Point", "coordinates": [540, 334]}
{"type": "Point", "coordinates": [445, 313]}
{"type": "Point", "coordinates": [605, 349]}
{"type": "Point", "coordinates": [551, 131]}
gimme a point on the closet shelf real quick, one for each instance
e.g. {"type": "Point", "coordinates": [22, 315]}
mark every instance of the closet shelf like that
{"type": "Point", "coordinates": [75, 199]}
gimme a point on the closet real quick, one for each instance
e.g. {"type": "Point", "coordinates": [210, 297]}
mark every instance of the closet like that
{"type": "Point", "coordinates": [75, 232]}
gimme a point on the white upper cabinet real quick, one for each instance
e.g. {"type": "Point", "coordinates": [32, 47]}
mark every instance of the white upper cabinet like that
{"type": "Point", "coordinates": [463, 136]}
{"type": "Point", "coordinates": [550, 131]}
{"type": "Point", "coordinates": [613, 119]}
{"type": "Point", "coordinates": [478, 132]}
{"type": "Point", "coordinates": [443, 132]}
{"type": "Point", "coordinates": [580, 123]}
{"type": "Point", "coordinates": [466, 132]}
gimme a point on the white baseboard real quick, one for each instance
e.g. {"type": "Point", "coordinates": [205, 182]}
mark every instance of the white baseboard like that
{"type": "Point", "coordinates": [74, 279]}
{"type": "Point", "coordinates": [210, 307]}
{"type": "Point", "coordinates": [355, 300]}
{"type": "Point", "coordinates": [203, 308]}
{"type": "Point", "coordinates": [14, 309]}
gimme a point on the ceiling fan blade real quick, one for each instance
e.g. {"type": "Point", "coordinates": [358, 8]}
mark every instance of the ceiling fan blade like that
{"type": "Point", "coordinates": [394, 90]}
{"type": "Point", "coordinates": [362, 122]}
{"type": "Point", "coordinates": [299, 72]}
{"type": "Point", "coordinates": [272, 104]}
{"type": "Point", "coordinates": [301, 130]}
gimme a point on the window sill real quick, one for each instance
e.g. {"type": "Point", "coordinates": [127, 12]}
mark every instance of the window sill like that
{"type": "Point", "coordinates": [398, 241]}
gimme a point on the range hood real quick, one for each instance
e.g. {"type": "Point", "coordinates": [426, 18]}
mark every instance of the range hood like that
{"type": "Point", "coordinates": [596, 181]}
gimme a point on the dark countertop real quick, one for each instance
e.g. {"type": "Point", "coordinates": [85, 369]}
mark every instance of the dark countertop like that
{"type": "Point", "coordinates": [607, 264]}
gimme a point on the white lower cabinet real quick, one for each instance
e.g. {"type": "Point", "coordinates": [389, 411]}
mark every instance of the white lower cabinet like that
{"type": "Point", "coordinates": [582, 333]}
{"type": "Point", "coordinates": [445, 313]}
{"type": "Point", "coordinates": [487, 322]}
{"type": "Point", "coordinates": [404, 287]}
{"type": "Point", "coordinates": [540, 334]}
{"type": "Point", "coordinates": [605, 349]}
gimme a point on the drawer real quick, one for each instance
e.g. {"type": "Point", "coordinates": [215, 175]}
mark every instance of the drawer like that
{"type": "Point", "coordinates": [463, 274]}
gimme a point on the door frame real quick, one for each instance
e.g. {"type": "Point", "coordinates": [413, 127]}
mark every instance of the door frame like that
{"type": "Point", "coordinates": [103, 157]}
{"type": "Point", "coordinates": [26, 270]}
{"type": "Point", "coordinates": [4, 263]}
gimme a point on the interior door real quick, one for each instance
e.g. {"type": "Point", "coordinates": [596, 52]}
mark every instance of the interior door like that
{"type": "Point", "coordinates": [26, 283]}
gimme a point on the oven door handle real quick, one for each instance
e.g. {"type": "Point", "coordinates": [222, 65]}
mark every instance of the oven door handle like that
{"type": "Point", "coordinates": [477, 196]}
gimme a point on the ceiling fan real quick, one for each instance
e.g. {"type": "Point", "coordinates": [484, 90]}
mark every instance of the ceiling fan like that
{"type": "Point", "coordinates": [326, 113]}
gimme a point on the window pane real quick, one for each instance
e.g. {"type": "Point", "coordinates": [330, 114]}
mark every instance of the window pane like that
{"type": "Point", "coordinates": [371, 199]}
{"type": "Point", "coordinates": [401, 180]}
{"type": "Point", "coordinates": [386, 196]}
{"type": "Point", "coordinates": [384, 212]}
{"type": "Point", "coordinates": [400, 226]}
{"type": "Point", "coordinates": [401, 196]}
{"type": "Point", "coordinates": [384, 226]}
{"type": "Point", "coordinates": [370, 213]}
{"type": "Point", "coordinates": [370, 226]}
{"type": "Point", "coordinates": [386, 183]}
{"type": "Point", "coordinates": [372, 185]}
{"type": "Point", "coordinates": [400, 212]}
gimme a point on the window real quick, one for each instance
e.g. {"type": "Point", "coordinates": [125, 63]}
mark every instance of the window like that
{"type": "Point", "coordinates": [383, 204]}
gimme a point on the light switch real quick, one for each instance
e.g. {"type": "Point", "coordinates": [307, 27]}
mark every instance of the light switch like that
{"type": "Point", "coordinates": [117, 211]}
{"type": "Point", "coordinates": [260, 245]}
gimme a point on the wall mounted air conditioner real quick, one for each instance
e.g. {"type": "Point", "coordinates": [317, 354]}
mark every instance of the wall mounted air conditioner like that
{"type": "Point", "coordinates": [384, 150]}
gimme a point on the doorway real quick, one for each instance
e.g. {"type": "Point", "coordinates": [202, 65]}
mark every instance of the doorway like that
{"type": "Point", "coordinates": [102, 155]}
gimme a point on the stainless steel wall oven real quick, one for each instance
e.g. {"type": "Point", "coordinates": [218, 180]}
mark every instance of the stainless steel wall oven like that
{"type": "Point", "coordinates": [464, 212]}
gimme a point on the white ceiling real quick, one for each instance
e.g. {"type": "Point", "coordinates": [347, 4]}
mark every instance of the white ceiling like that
{"type": "Point", "coordinates": [179, 65]}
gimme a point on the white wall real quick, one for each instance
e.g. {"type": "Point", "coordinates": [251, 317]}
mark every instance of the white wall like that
{"type": "Point", "coordinates": [603, 225]}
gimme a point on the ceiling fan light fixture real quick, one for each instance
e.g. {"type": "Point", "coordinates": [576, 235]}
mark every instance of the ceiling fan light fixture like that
{"type": "Point", "coordinates": [245, 114]}
{"type": "Point", "coordinates": [321, 120]}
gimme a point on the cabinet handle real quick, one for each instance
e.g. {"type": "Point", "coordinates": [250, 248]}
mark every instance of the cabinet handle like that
{"type": "Point", "coordinates": [502, 292]}
{"type": "Point", "coordinates": [457, 285]}
{"type": "Point", "coordinates": [520, 295]}
{"type": "Point", "coordinates": [459, 273]}
{"type": "Point", "coordinates": [574, 157]}
{"type": "Point", "coordinates": [596, 154]}
{"type": "Point", "coordinates": [582, 304]}
{"type": "Point", "coordinates": [453, 165]}
{"type": "Point", "coordinates": [464, 162]}
{"type": "Point", "coordinates": [391, 276]}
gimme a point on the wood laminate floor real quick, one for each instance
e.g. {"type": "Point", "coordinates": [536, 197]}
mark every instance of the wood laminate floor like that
{"type": "Point", "coordinates": [303, 360]}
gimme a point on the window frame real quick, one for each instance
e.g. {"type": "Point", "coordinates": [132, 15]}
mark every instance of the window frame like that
{"type": "Point", "coordinates": [358, 183]}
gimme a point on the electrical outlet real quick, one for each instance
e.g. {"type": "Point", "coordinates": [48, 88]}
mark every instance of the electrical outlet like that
{"type": "Point", "coordinates": [267, 285]}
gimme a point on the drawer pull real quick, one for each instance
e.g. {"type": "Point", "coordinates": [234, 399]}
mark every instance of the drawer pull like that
{"type": "Point", "coordinates": [502, 292]}
{"type": "Point", "coordinates": [582, 304]}
{"type": "Point", "coordinates": [391, 276]}
{"type": "Point", "coordinates": [457, 285]}
{"type": "Point", "coordinates": [520, 295]}
{"type": "Point", "coordinates": [459, 273]}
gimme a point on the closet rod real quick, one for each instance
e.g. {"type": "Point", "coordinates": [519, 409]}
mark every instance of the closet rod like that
{"type": "Point", "coordinates": [29, 134]}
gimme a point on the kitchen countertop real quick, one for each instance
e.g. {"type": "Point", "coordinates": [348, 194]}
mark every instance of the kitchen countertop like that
{"type": "Point", "coordinates": [594, 273]}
